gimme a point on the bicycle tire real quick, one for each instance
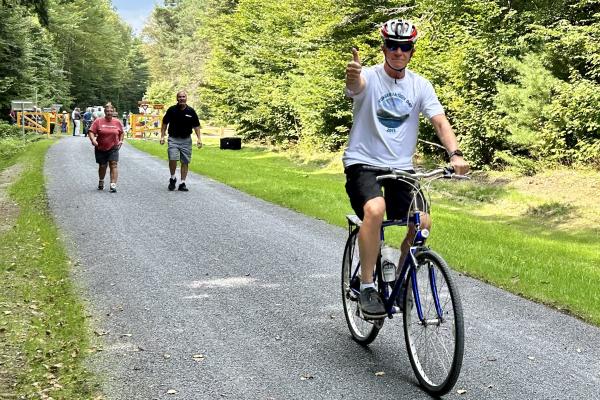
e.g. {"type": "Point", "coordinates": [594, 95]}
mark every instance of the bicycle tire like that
{"type": "Point", "coordinates": [363, 331]}
{"type": "Point", "coordinates": [435, 350]}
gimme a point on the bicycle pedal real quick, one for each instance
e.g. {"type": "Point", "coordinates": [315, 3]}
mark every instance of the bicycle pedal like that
{"type": "Point", "coordinates": [351, 295]}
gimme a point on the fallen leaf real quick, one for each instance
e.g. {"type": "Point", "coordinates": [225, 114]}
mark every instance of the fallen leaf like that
{"type": "Point", "coordinates": [55, 367]}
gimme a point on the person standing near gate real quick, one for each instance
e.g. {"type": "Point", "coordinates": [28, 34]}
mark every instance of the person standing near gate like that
{"type": "Point", "coordinates": [52, 119]}
{"type": "Point", "coordinates": [180, 119]}
{"type": "Point", "coordinates": [106, 135]}
{"type": "Point", "coordinates": [63, 122]}
{"type": "Point", "coordinates": [76, 117]}
{"type": "Point", "coordinates": [87, 120]}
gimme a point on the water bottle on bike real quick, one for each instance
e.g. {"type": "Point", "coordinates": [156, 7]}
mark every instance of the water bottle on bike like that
{"type": "Point", "coordinates": [388, 267]}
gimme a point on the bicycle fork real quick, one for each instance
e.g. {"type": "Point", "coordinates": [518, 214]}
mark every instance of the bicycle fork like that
{"type": "Point", "coordinates": [410, 267]}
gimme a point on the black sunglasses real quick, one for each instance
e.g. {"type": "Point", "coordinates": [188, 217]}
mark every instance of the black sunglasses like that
{"type": "Point", "coordinates": [392, 45]}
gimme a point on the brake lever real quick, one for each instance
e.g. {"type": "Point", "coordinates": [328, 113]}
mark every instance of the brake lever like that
{"type": "Point", "coordinates": [449, 174]}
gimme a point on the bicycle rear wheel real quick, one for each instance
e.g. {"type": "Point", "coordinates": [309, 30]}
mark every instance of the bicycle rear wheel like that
{"type": "Point", "coordinates": [363, 331]}
{"type": "Point", "coordinates": [435, 345]}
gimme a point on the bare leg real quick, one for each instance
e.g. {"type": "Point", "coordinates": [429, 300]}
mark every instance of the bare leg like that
{"type": "Point", "coordinates": [102, 171]}
{"type": "Point", "coordinates": [369, 237]}
{"type": "Point", "coordinates": [172, 166]}
{"type": "Point", "coordinates": [184, 171]}
{"type": "Point", "coordinates": [410, 235]}
{"type": "Point", "coordinates": [114, 172]}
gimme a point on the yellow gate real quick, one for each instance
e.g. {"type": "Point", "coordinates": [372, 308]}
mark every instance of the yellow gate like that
{"type": "Point", "coordinates": [147, 123]}
{"type": "Point", "coordinates": [40, 121]}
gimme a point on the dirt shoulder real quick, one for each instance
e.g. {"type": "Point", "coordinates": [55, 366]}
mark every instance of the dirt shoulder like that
{"type": "Point", "coordinates": [560, 198]}
{"type": "Point", "coordinates": [9, 210]}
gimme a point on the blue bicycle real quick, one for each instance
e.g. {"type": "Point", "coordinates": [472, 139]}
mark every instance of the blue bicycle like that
{"type": "Point", "coordinates": [423, 291]}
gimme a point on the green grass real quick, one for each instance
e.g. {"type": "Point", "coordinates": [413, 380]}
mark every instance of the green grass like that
{"type": "Point", "coordinates": [518, 254]}
{"type": "Point", "coordinates": [43, 333]}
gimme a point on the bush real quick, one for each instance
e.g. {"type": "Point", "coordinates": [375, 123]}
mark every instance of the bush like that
{"type": "Point", "coordinates": [7, 130]}
{"type": "Point", "coordinates": [12, 141]}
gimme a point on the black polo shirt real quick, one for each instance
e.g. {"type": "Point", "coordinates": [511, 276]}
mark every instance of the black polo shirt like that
{"type": "Point", "coordinates": [181, 122]}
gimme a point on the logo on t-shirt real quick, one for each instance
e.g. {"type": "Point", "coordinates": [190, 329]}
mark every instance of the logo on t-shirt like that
{"type": "Point", "coordinates": [393, 109]}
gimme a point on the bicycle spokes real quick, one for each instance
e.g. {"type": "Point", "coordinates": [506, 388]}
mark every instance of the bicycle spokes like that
{"type": "Point", "coordinates": [433, 327]}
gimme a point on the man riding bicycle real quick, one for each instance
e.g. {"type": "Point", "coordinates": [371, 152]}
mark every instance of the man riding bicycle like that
{"type": "Point", "coordinates": [388, 99]}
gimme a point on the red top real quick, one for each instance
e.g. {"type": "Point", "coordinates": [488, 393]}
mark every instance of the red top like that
{"type": "Point", "coordinates": [107, 133]}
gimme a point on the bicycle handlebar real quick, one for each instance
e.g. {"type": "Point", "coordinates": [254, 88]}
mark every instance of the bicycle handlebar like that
{"type": "Point", "coordinates": [446, 172]}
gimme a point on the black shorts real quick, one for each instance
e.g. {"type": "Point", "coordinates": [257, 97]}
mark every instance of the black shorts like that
{"type": "Point", "coordinates": [103, 157]}
{"type": "Point", "coordinates": [362, 186]}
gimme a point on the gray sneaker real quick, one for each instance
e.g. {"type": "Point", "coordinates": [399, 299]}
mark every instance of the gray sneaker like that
{"type": "Point", "coordinates": [371, 304]}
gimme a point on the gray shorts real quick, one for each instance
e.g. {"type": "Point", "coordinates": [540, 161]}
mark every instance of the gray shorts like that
{"type": "Point", "coordinates": [180, 149]}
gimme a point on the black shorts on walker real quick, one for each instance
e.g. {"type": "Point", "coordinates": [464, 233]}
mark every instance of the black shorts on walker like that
{"type": "Point", "coordinates": [103, 157]}
{"type": "Point", "coordinates": [362, 186]}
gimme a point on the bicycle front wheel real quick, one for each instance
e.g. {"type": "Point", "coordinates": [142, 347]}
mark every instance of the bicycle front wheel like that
{"type": "Point", "coordinates": [364, 331]}
{"type": "Point", "coordinates": [435, 342]}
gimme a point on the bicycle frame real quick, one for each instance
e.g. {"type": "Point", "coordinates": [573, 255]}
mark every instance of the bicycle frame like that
{"type": "Point", "coordinates": [409, 266]}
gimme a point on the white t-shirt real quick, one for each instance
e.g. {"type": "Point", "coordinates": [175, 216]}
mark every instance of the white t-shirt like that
{"type": "Point", "coordinates": [386, 118]}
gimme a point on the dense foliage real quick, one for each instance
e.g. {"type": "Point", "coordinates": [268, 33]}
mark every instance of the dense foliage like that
{"type": "Point", "coordinates": [519, 79]}
{"type": "Point", "coordinates": [76, 53]}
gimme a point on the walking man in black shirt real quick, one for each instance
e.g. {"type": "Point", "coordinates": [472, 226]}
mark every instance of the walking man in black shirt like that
{"type": "Point", "coordinates": [181, 119]}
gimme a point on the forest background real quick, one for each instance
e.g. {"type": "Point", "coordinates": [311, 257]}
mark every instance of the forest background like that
{"type": "Point", "coordinates": [519, 79]}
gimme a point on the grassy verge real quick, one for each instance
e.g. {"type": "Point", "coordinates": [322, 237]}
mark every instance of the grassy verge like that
{"type": "Point", "coordinates": [43, 334]}
{"type": "Point", "coordinates": [539, 262]}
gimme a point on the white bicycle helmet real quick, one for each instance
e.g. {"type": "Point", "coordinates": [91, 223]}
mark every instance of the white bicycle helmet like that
{"type": "Point", "coordinates": [399, 30]}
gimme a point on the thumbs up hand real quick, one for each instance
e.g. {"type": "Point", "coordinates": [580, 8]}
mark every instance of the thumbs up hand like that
{"type": "Point", "coordinates": [353, 69]}
{"type": "Point", "coordinates": [354, 82]}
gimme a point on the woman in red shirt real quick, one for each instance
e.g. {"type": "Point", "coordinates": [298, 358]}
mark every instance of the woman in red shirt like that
{"type": "Point", "coordinates": [106, 134]}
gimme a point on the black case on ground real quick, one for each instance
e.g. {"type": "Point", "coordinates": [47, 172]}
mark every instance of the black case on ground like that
{"type": "Point", "coordinates": [231, 143]}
